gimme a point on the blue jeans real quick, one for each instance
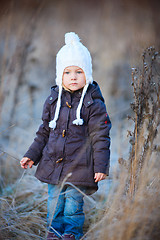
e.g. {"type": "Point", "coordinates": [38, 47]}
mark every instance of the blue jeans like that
{"type": "Point", "coordinates": [65, 210]}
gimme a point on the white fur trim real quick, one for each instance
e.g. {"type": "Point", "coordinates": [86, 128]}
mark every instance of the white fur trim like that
{"type": "Point", "coordinates": [78, 120]}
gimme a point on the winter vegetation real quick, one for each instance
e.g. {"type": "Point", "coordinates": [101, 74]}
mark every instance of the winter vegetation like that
{"type": "Point", "coordinates": [127, 206]}
{"type": "Point", "coordinates": [131, 208]}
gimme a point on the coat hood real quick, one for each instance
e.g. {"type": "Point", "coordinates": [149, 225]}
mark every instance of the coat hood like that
{"type": "Point", "coordinates": [93, 92]}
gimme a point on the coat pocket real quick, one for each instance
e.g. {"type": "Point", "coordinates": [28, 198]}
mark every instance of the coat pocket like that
{"type": "Point", "coordinates": [77, 152]}
{"type": "Point", "coordinates": [79, 158]}
{"type": "Point", "coordinates": [45, 168]}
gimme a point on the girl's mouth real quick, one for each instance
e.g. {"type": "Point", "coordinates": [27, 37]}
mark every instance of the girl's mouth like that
{"type": "Point", "coordinates": [73, 84]}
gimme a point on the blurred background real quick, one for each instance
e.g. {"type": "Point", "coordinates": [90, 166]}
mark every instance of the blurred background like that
{"type": "Point", "coordinates": [32, 32]}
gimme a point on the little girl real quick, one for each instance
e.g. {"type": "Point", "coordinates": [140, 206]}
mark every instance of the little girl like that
{"type": "Point", "coordinates": [72, 144]}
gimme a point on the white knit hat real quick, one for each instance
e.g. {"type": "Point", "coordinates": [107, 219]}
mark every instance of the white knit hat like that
{"type": "Point", "coordinates": [73, 53]}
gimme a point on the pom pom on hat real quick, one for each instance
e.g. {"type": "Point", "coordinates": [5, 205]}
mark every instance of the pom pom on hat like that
{"type": "Point", "coordinates": [71, 38]}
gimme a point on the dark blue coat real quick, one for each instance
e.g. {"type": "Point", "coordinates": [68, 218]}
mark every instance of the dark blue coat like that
{"type": "Point", "coordinates": [82, 150]}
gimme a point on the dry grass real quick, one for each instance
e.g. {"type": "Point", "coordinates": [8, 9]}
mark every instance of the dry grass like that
{"type": "Point", "coordinates": [131, 218]}
{"type": "Point", "coordinates": [23, 209]}
{"type": "Point", "coordinates": [133, 205]}
{"type": "Point", "coordinates": [131, 210]}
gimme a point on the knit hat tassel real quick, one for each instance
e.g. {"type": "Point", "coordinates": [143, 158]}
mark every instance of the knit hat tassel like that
{"type": "Point", "coordinates": [78, 120]}
{"type": "Point", "coordinates": [52, 124]}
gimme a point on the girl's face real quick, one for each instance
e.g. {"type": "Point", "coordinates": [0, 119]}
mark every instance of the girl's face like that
{"type": "Point", "coordinates": [73, 78]}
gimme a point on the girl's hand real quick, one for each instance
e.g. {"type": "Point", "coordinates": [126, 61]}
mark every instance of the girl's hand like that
{"type": "Point", "coordinates": [99, 176]}
{"type": "Point", "coordinates": [25, 162]}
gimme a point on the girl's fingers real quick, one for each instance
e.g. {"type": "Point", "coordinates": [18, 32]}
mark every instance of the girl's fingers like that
{"type": "Point", "coordinates": [24, 166]}
{"type": "Point", "coordinates": [24, 163]}
{"type": "Point", "coordinates": [103, 177]}
{"type": "Point", "coordinates": [30, 164]}
{"type": "Point", "coordinates": [99, 176]}
{"type": "Point", "coordinates": [95, 176]}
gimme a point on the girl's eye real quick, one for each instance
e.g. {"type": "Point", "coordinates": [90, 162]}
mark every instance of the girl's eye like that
{"type": "Point", "coordinates": [79, 72]}
{"type": "Point", "coordinates": [66, 72]}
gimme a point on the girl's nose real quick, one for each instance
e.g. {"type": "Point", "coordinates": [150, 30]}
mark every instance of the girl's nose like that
{"type": "Point", "coordinates": [73, 76]}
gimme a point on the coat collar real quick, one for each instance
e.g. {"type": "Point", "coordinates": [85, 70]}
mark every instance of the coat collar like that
{"type": "Point", "coordinates": [92, 92]}
{"type": "Point", "coordinates": [54, 94]}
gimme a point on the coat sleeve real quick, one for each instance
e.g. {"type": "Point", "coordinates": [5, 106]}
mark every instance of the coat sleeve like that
{"type": "Point", "coordinates": [35, 150]}
{"type": "Point", "coordinates": [99, 127]}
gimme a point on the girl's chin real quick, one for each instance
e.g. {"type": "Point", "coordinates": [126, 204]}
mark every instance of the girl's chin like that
{"type": "Point", "coordinates": [74, 87]}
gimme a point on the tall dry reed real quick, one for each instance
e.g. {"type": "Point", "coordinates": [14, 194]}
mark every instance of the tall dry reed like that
{"type": "Point", "coordinates": [133, 205]}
